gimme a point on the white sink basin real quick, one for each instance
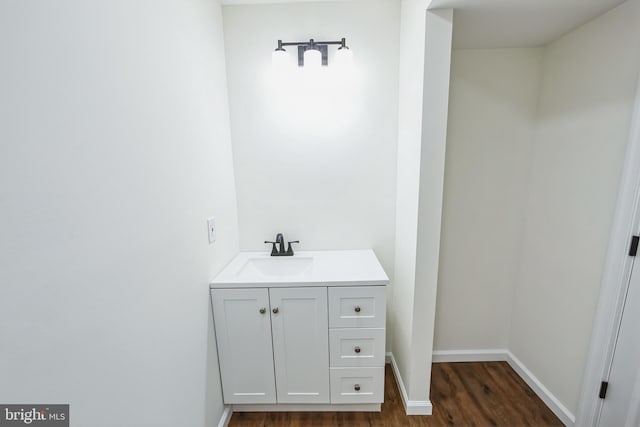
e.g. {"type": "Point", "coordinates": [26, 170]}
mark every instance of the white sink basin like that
{"type": "Point", "coordinates": [277, 266]}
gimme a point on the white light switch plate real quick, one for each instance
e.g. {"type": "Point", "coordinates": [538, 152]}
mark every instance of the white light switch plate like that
{"type": "Point", "coordinates": [211, 227]}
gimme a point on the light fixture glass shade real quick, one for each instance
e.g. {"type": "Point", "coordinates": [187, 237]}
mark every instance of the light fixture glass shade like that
{"type": "Point", "coordinates": [344, 57]}
{"type": "Point", "coordinates": [280, 61]}
{"type": "Point", "coordinates": [312, 58]}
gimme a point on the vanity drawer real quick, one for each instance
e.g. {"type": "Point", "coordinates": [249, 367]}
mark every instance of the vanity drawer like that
{"type": "Point", "coordinates": [356, 347]}
{"type": "Point", "coordinates": [357, 307]}
{"type": "Point", "coordinates": [357, 385]}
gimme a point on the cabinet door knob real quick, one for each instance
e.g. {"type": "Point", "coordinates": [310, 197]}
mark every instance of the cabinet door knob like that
{"type": "Point", "coordinates": [357, 309]}
{"type": "Point", "coordinates": [275, 310]}
{"type": "Point", "coordinates": [357, 349]}
{"type": "Point", "coordinates": [356, 387]}
{"type": "Point", "coordinates": [263, 310]}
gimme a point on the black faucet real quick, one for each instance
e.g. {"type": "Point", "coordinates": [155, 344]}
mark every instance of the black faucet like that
{"type": "Point", "coordinates": [280, 242]}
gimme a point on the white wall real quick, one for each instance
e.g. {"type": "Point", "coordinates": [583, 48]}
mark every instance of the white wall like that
{"type": "Point", "coordinates": [114, 148]}
{"type": "Point", "coordinates": [437, 71]}
{"type": "Point", "coordinates": [411, 83]}
{"type": "Point", "coordinates": [492, 112]}
{"type": "Point", "coordinates": [315, 159]}
{"type": "Point", "coordinates": [425, 53]}
{"type": "Point", "coordinates": [589, 83]}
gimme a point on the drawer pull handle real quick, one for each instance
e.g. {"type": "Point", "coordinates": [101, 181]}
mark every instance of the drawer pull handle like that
{"type": "Point", "coordinates": [357, 349]}
{"type": "Point", "coordinates": [357, 309]}
{"type": "Point", "coordinates": [263, 310]}
{"type": "Point", "coordinates": [275, 310]}
{"type": "Point", "coordinates": [356, 387]}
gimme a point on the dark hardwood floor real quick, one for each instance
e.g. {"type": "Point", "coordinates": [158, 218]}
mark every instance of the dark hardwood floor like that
{"type": "Point", "coordinates": [462, 394]}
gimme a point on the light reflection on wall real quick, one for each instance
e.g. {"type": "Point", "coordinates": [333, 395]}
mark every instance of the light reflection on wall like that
{"type": "Point", "coordinates": [315, 101]}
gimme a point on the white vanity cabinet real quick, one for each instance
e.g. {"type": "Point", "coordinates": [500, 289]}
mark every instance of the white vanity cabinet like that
{"type": "Point", "coordinates": [315, 341]}
{"type": "Point", "coordinates": [265, 331]}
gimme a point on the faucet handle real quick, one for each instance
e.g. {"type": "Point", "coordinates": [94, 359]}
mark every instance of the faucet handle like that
{"type": "Point", "coordinates": [274, 251]}
{"type": "Point", "coordinates": [289, 248]}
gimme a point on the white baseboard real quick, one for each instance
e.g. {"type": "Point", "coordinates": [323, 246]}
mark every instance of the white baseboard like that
{"type": "Point", "coordinates": [493, 355]}
{"type": "Point", "coordinates": [411, 407]}
{"type": "Point", "coordinates": [543, 393]}
{"type": "Point", "coordinates": [226, 416]}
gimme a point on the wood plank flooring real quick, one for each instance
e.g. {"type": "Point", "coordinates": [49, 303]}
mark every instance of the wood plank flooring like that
{"type": "Point", "coordinates": [462, 394]}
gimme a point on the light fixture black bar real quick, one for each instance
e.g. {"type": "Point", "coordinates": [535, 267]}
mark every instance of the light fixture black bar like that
{"type": "Point", "coordinates": [281, 43]}
{"type": "Point", "coordinates": [336, 42]}
{"type": "Point", "coordinates": [306, 43]}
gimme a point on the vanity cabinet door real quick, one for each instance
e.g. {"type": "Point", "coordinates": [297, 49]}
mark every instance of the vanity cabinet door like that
{"type": "Point", "coordinates": [243, 333]}
{"type": "Point", "coordinates": [300, 344]}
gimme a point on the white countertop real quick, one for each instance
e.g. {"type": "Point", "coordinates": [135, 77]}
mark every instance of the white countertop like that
{"type": "Point", "coordinates": [307, 268]}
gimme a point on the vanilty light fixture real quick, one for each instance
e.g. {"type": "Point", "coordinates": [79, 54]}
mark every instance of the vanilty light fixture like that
{"type": "Point", "coordinates": [312, 54]}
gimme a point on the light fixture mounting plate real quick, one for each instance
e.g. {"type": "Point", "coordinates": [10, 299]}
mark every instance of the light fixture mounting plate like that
{"type": "Point", "coordinates": [323, 48]}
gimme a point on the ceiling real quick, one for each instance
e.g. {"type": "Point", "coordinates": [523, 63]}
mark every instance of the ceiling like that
{"type": "Point", "coordinates": [504, 23]}
{"type": "Point", "coordinates": [518, 23]}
